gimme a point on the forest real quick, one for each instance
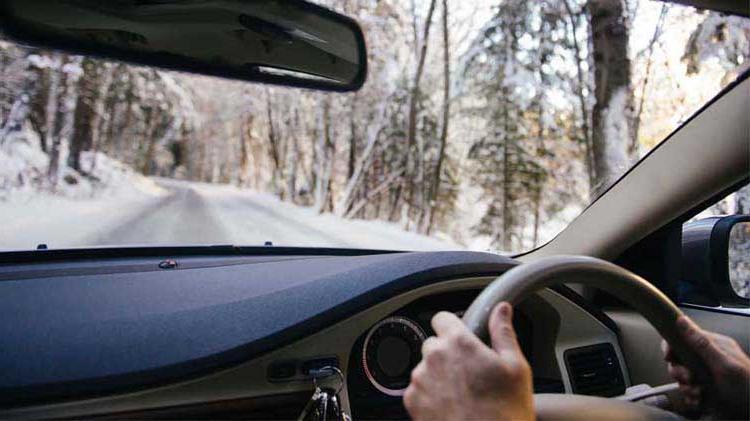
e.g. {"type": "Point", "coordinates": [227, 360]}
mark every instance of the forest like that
{"type": "Point", "coordinates": [491, 123]}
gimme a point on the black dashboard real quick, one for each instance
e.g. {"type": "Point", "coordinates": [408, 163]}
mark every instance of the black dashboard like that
{"type": "Point", "coordinates": [235, 335]}
{"type": "Point", "coordinates": [99, 326]}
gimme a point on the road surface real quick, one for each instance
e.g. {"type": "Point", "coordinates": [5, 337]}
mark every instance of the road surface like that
{"type": "Point", "coordinates": [198, 213]}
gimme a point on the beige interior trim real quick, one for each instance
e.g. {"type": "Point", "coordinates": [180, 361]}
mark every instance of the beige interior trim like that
{"type": "Point", "coordinates": [709, 154]}
{"type": "Point", "coordinates": [641, 343]}
{"type": "Point", "coordinates": [577, 408]}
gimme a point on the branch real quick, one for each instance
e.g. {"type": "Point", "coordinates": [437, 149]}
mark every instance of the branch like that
{"type": "Point", "coordinates": [374, 192]}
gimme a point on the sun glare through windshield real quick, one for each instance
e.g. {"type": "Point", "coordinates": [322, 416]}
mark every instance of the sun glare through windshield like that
{"type": "Point", "coordinates": [484, 125]}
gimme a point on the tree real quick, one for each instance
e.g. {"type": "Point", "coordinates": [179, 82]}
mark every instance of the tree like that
{"type": "Point", "coordinates": [612, 115]}
{"type": "Point", "coordinates": [581, 87]}
{"type": "Point", "coordinates": [505, 169]}
{"type": "Point", "coordinates": [434, 191]}
{"type": "Point", "coordinates": [412, 163]}
{"type": "Point", "coordinates": [18, 76]}
{"type": "Point", "coordinates": [60, 113]}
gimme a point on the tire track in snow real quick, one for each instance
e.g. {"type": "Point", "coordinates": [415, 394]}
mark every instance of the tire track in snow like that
{"type": "Point", "coordinates": [181, 218]}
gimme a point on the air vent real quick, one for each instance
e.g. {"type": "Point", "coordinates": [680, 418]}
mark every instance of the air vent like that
{"type": "Point", "coordinates": [594, 370]}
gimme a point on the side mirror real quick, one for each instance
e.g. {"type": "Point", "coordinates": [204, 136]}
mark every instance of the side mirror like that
{"type": "Point", "coordinates": [739, 257]}
{"type": "Point", "coordinates": [286, 42]}
{"type": "Point", "coordinates": [716, 261]}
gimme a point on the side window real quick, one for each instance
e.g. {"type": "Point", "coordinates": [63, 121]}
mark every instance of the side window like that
{"type": "Point", "coordinates": [716, 254]}
{"type": "Point", "coordinates": [736, 203]}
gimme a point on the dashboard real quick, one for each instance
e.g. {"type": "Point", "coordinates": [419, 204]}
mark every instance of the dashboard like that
{"type": "Point", "coordinates": [551, 328]}
{"type": "Point", "coordinates": [365, 314]}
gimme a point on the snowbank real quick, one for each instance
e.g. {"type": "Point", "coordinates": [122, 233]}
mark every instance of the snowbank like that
{"type": "Point", "coordinates": [33, 213]}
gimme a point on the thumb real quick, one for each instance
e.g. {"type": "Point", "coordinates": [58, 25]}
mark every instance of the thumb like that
{"type": "Point", "coordinates": [697, 339]}
{"type": "Point", "coordinates": [502, 334]}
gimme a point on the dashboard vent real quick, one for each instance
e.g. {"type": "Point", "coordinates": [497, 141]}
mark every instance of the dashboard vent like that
{"type": "Point", "coordinates": [594, 370]}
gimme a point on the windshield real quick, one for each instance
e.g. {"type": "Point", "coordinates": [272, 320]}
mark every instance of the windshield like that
{"type": "Point", "coordinates": [486, 125]}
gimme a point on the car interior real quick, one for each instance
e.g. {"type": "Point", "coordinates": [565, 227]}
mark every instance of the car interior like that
{"type": "Point", "coordinates": [235, 332]}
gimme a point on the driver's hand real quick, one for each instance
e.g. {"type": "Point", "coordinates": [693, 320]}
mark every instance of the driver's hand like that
{"type": "Point", "coordinates": [461, 378]}
{"type": "Point", "coordinates": [727, 364]}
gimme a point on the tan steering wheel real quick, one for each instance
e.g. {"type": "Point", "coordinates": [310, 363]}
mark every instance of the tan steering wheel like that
{"type": "Point", "coordinates": [521, 281]}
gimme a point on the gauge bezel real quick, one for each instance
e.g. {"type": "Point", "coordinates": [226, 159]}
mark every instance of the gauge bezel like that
{"type": "Point", "coordinates": [368, 372]}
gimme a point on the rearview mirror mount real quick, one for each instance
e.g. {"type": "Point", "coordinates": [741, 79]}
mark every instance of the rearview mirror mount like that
{"type": "Point", "coordinates": [284, 42]}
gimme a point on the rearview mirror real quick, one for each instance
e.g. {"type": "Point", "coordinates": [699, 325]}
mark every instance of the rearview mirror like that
{"type": "Point", "coordinates": [716, 259]}
{"type": "Point", "coordinates": [286, 42]}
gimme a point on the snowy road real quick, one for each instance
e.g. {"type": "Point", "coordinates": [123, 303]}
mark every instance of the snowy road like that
{"type": "Point", "coordinates": [182, 217]}
{"type": "Point", "coordinates": [187, 213]}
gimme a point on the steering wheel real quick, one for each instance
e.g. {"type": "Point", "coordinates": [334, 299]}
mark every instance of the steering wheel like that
{"type": "Point", "coordinates": [521, 281]}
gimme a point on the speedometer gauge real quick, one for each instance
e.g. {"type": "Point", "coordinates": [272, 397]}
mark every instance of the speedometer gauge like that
{"type": "Point", "coordinates": [392, 348]}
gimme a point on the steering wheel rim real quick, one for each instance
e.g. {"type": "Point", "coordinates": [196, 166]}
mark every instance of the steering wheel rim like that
{"type": "Point", "coordinates": [523, 280]}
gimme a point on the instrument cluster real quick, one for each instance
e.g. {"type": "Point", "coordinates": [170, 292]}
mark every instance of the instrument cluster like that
{"type": "Point", "coordinates": [384, 356]}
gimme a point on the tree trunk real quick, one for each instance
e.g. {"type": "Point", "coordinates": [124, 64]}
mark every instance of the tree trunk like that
{"type": "Point", "coordinates": [612, 116]}
{"type": "Point", "coordinates": [434, 192]}
{"type": "Point", "coordinates": [324, 160]}
{"type": "Point", "coordinates": [100, 120]}
{"type": "Point", "coordinates": [506, 189]}
{"type": "Point", "coordinates": [581, 94]}
{"type": "Point", "coordinates": [292, 160]}
{"type": "Point", "coordinates": [149, 141]}
{"type": "Point", "coordinates": [537, 178]}
{"type": "Point", "coordinates": [21, 107]}
{"type": "Point", "coordinates": [411, 133]}
{"type": "Point", "coordinates": [81, 139]}
{"type": "Point", "coordinates": [273, 142]}
{"type": "Point", "coordinates": [62, 134]}
{"type": "Point", "coordinates": [53, 94]}
{"type": "Point", "coordinates": [373, 133]}
{"type": "Point", "coordinates": [649, 62]}
{"type": "Point", "coordinates": [352, 138]}
{"type": "Point", "coordinates": [245, 139]}
{"type": "Point", "coordinates": [372, 193]}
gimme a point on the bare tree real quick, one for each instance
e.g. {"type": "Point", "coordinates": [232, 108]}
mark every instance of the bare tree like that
{"type": "Point", "coordinates": [63, 127]}
{"type": "Point", "coordinates": [581, 89]}
{"type": "Point", "coordinates": [20, 108]}
{"type": "Point", "coordinates": [434, 191]}
{"type": "Point", "coordinates": [409, 161]}
{"type": "Point", "coordinates": [613, 111]}
{"type": "Point", "coordinates": [273, 144]}
{"type": "Point", "coordinates": [644, 86]}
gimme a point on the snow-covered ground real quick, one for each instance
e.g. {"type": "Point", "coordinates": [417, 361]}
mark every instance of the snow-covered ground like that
{"type": "Point", "coordinates": [177, 212]}
{"type": "Point", "coordinates": [79, 209]}
{"type": "Point", "coordinates": [116, 206]}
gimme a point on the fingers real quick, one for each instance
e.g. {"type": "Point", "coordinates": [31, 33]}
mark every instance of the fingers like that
{"type": "Point", "coordinates": [680, 373]}
{"type": "Point", "coordinates": [445, 324]}
{"type": "Point", "coordinates": [690, 392]}
{"type": "Point", "coordinates": [413, 401]}
{"type": "Point", "coordinates": [414, 395]}
{"type": "Point", "coordinates": [429, 345]}
{"type": "Point", "coordinates": [432, 354]}
{"type": "Point", "coordinates": [691, 395]}
{"type": "Point", "coordinates": [502, 334]}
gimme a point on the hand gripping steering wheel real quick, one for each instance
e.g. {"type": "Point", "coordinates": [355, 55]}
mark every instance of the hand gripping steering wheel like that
{"type": "Point", "coordinates": [521, 281]}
